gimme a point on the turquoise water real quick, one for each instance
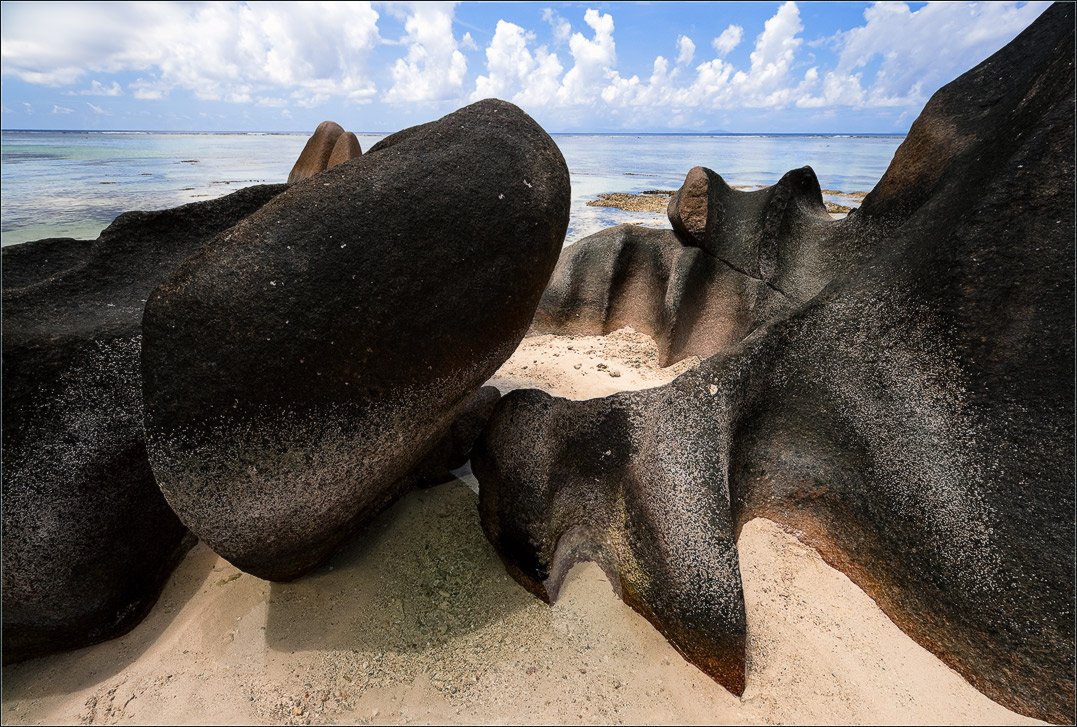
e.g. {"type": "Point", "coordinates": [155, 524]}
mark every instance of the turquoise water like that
{"type": "Point", "coordinates": [73, 184]}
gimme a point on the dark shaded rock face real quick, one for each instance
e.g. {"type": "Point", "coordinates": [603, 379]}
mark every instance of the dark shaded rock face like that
{"type": "Point", "coordinates": [29, 263]}
{"type": "Point", "coordinates": [454, 446]}
{"type": "Point", "coordinates": [88, 538]}
{"type": "Point", "coordinates": [300, 366]}
{"type": "Point", "coordinates": [912, 420]}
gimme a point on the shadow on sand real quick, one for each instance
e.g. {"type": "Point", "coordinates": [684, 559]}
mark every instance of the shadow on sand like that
{"type": "Point", "coordinates": [421, 575]}
{"type": "Point", "coordinates": [75, 670]}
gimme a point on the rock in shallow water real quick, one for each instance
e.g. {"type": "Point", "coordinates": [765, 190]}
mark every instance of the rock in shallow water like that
{"type": "Point", "coordinates": [300, 366]}
{"type": "Point", "coordinates": [88, 538]}
{"type": "Point", "coordinates": [911, 417]}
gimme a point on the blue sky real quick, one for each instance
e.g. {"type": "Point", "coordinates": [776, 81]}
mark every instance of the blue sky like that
{"type": "Point", "coordinates": [737, 67]}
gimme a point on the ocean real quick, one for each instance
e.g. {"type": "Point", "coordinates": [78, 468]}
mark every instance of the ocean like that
{"type": "Point", "coordinates": [74, 183]}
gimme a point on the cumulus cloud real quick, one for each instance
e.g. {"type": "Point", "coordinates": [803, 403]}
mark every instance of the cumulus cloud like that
{"type": "Point", "coordinates": [434, 68]}
{"type": "Point", "coordinates": [921, 50]}
{"type": "Point", "coordinates": [594, 57]}
{"type": "Point", "coordinates": [146, 90]}
{"type": "Point", "coordinates": [728, 40]}
{"type": "Point", "coordinates": [562, 29]}
{"type": "Point", "coordinates": [214, 50]}
{"type": "Point", "coordinates": [514, 72]}
{"type": "Point", "coordinates": [766, 82]}
{"type": "Point", "coordinates": [686, 50]}
{"type": "Point", "coordinates": [97, 109]}
{"type": "Point", "coordinates": [894, 59]}
{"type": "Point", "coordinates": [301, 55]}
{"type": "Point", "coordinates": [62, 110]}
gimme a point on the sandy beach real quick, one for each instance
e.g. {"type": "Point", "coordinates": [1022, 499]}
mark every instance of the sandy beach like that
{"type": "Point", "coordinates": [416, 621]}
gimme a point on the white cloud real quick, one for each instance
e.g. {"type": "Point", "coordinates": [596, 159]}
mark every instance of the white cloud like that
{"type": "Point", "coordinates": [97, 109]}
{"type": "Point", "coordinates": [921, 50]}
{"type": "Point", "coordinates": [728, 40]}
{"type": "Point", "coordinates": [766, 82]}
{"type": "Point", "coordinates": [514, 72]}
{"type": "Point", "coordinates": [214, 50]}
{"type": "Point", "coordinates": [686, 50]}
{"type": "Point", "coordinates": [98, 89]}
{"type": "Point", "coordinates": [148, 90]}
{"type": "Point", "coordinates": [301, 55]}
{"type": "Point", "coordinates": [594, 59]}
{"type": "Point", "coordinates": [562, 29]}
{"type": "Point", "coordinates": [62, 110]}
{"type": "Point", "coordinates": [434, 68]}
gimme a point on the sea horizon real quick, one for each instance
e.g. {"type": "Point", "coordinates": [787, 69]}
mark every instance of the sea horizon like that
{"type": "Point", "coordinates": [386, 133]}
{"type": "Point", "coordinates": [74, 183]}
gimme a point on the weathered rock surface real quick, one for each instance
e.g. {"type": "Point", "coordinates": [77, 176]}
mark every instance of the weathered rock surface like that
{"type": "Point", "coordinates": [298, 367]}
{"type": "Point", "coordinates": [317, 151]}
{"type": "Point", "coordinates": [88, 538]}
{"type": "Point", "coordinates": [733, 260]}
{"type": "Point", "coordinates": [691, 302]}
{"type": "Point", "coordinates": [454, 446]}
{"type": "Point", "coordinates": [30, 263]}
{"type": "Point", "coordinates": [912, 418]}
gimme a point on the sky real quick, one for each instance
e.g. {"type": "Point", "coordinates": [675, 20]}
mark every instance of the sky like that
{"type": "Point", "coordinates": [575, 67]}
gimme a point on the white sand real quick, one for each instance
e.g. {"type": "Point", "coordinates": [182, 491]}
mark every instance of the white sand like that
{"type": "Point", "coordinates": [416, 621]}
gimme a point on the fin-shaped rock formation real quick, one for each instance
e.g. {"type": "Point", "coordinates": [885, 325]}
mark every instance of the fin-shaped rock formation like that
{"type": "Point", "coordinates": [300, 366]}
{"type": "Point", "coordinates": [88, 538]}
{"type": "Point", "coordinates": [732, 261]}
{"type": "Point", "coordinates": [690, 301]}
{"type": "Point", "coordinates": [906, 406]}
{"type": "Point", "coordinates": [327, 147]}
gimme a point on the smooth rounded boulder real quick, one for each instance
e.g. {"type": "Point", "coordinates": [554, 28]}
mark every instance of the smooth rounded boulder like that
{"type": "Point", "coordinates": [302, 364]}
{"type": "Point", "coordinates": [345, 149]}
{"type": "Point", "coordinates": [316, 152]}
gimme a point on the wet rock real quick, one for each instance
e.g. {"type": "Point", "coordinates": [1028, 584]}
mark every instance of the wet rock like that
{"type": "Point", "coordinates": [912, 419]}
{"type": "Point", "coordinates": [296, 370]}
{"type": "Point", "coordinates": [88, 538]}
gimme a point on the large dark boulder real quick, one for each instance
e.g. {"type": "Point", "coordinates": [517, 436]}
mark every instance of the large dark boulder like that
{"type": "Point", "coordinates": [299, 367]}
{"type": "Point", "coordinates": [912, 420]}
{"type": "Point", "coordinates": [88, 538]}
